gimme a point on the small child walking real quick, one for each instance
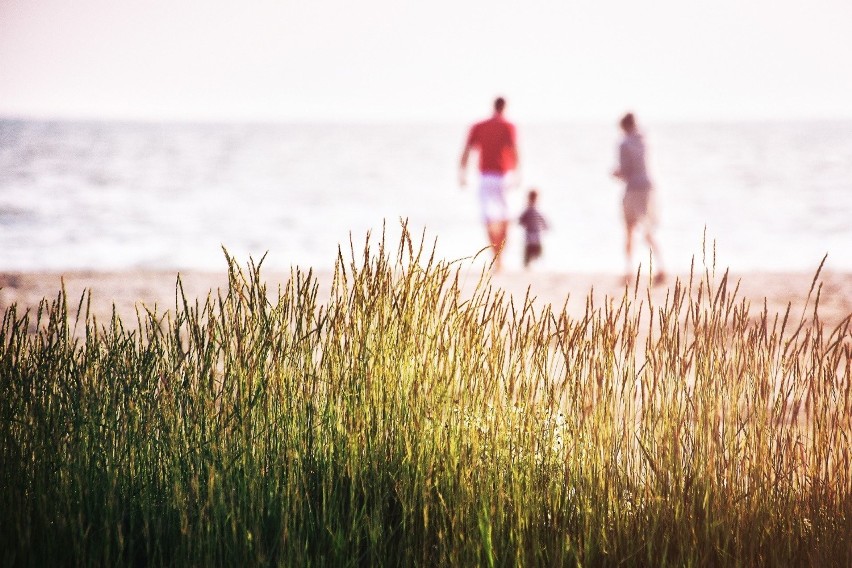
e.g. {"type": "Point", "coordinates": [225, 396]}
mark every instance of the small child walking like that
{"type": "Point", "coordinates": [533, 223]}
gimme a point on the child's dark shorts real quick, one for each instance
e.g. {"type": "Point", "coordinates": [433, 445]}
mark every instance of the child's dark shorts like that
{"type": "Point", "coordinates": [531, 252]}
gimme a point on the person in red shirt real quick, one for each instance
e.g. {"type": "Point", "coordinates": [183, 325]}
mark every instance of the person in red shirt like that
{"type": "Point", "coordinates": [494, 140]}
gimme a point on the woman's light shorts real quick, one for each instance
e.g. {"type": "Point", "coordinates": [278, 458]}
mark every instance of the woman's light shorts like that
{"type": "Point", "coordinates": [639, 207]}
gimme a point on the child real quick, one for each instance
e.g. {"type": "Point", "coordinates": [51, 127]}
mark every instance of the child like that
{"type": "Point", "coordinates": [533, 223]}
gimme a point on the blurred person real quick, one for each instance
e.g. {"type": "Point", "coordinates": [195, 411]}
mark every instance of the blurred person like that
{"type": "Point", "coordinates": [533, 223]}
{"type": "Point", "coordinates": [638, 202]}
{"type": "Point", "coordinates": [495, 141]}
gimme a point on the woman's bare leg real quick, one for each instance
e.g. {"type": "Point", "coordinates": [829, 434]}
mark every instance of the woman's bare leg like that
{"type": "Point", "coordinates": [628, 250]}
{"type": "Point", "coordinates": [659, 273]}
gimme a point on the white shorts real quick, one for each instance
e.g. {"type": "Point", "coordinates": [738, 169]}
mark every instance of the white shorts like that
{"type": "Point", "coordinates": [492, 198]}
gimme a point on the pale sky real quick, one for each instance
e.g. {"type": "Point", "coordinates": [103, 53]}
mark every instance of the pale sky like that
{"type": "Point", "coordinates": [388, 60]}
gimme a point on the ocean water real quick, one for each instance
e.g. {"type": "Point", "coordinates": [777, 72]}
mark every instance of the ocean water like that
{"type": "Point", "coordinates": [109, 195]}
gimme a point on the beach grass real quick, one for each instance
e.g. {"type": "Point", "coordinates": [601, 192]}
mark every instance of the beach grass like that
{"type": "Point", "coordinates": [407, 420]}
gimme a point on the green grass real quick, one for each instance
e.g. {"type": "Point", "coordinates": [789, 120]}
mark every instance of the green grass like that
{"type": "Point", "coordinates": [406, 420]}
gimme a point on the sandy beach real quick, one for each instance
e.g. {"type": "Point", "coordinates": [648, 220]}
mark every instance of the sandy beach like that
{"type": "Point", "coordinates": [129, 290]}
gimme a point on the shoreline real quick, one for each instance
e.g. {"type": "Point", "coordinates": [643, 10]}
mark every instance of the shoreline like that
{"type": "Point", "coordinates": [129, 289]}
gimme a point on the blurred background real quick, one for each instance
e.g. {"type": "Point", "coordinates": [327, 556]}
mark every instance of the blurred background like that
{"type": "Point", "coordinates": [149, 135]}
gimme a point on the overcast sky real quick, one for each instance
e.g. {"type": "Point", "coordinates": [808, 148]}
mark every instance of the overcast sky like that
{"type": "Point", "coordinates": [430, 59]}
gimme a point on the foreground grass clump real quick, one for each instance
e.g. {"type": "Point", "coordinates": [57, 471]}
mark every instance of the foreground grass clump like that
{"type": "Point", "coordinates": [412, 421]}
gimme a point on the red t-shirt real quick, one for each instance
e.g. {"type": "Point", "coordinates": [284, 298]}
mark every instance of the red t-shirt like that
{"type": "Point", "coordinates": [495, 140]}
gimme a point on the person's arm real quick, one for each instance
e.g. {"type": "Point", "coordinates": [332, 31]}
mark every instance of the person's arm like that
{"type": "Point", "coordinates": [515, 160]}
{"type": "Point", "coordinates": [623, 163]}
{"type": "Point", "coordinates": [468, 145]}
{"type": "Point", "coordinates": [463, 165]}
{"type": "Point", "coordinates": [516, 165]}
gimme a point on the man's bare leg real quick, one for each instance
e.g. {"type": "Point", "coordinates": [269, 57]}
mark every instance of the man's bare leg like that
{"type": "Point", "coordinates": [497, 238]}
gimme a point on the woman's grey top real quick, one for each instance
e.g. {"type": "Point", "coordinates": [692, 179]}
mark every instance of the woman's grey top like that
{"type": "Point", "coordinates": [632, 163]}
